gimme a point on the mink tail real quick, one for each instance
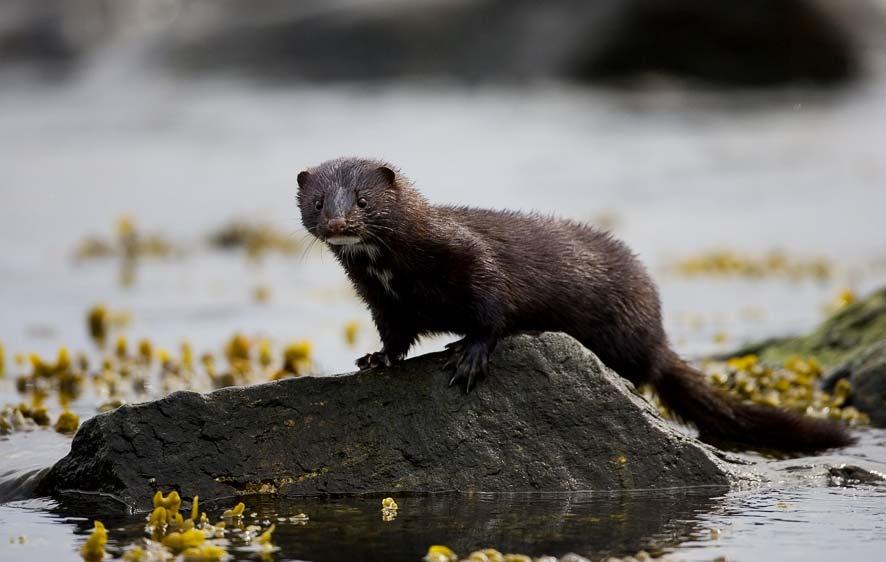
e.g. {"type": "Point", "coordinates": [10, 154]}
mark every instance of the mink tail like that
{"type": "Point", "coordinates": [721, 418]}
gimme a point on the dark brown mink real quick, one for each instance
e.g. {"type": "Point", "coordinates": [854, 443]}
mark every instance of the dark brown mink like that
{"type": "Point", "coordinates": [432, 269]}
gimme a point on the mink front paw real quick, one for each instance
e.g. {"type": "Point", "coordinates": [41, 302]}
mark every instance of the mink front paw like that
{"type": "Point", "coordinates": [370, 360]}
{"type": "Point", "coordinates": [470, 361]}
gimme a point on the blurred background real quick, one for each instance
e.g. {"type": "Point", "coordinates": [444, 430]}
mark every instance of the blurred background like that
{"type": "Point", "coordinates": [149, 148]}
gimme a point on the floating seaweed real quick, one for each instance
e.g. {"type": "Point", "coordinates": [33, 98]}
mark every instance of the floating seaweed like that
{"type": "Point", "coordinates": [170, 535]}
{"type": "Point", "coordinates": [388, 509]}
{"type": "Point", "coordinates": [440, 553]}
{"type": "Point", "coordinates": [94, 547]}
{"type": "Point", "coordinates": [101, 321]}
{"type": "Point", "coordinates": [255, 238]}
{"type": "Point", "coordinates": [235, 512]}
{"type": "Point", "coordinates": [351, 331]}
{"type": "Point", "coordinates": [129, 245]}
{"type": "Point", "coordinates": [128, 242]}
{"type": "Point", "coordinates": [261, 294]}
{"type": "Point", "coordinates": [776, 263]}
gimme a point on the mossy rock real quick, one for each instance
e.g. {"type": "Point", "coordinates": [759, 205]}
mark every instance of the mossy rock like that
{"type": "Point", "coordinates": [851, 345]}
{"type": "Point", "coordinates": [854, 328]}
{"type": "Point", "coordinates": [866, 371]}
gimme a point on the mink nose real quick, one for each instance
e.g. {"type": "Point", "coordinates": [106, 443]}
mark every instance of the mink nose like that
{"type": "Point", "coordinates": [336, 226]}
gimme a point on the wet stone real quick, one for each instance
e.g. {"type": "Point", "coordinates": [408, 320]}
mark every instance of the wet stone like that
{"type": "Point", "coordinates": [849, 474]}
{"type": "Point", "coordinates": [550, 417]}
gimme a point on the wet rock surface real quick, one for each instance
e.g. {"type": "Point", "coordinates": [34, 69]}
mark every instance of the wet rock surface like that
{"type": "Point", "coordinates": [550, 417]}
{"type": "Point", "coordinates": [866, 372]}
{"type": "Point", "coordinates": [849, 474]}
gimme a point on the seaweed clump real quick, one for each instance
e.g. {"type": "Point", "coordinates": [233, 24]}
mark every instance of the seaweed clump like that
{"type": "Point", "coordinates": [192, 537]}
{"type": "Point", "coordinates": [389, 509]}
{"type": "Point", "coordinates": [794, 385]}
{"type": "Point", "coordinates": [255, 238]}
{"type": "Point", "coordinates": [252, 361]}
{"type": "Point", "coordinates": [440, 553]}
{"type": "Point", "coordinates": [351, 331]}
{"type": "Point", "coordinates": [128, 243]}
{"type": "Point", "coordinates": [130, 246]}
{"type": "Point", "coordinates": [67, 422]}
{"type": "Point", "coordinates": [130, 372]}
{"type": "Point", "coordinates": [776, 263]}
{"type": "Point", "coordinates": [63, 377]}
{"type": "Point", "coordinates": [94, 547]}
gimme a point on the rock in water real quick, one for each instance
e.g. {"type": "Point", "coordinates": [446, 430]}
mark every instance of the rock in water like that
{"type": "Point", "coordinates": [550, 417]}
{"type": "Point", "coordinates": [866, 372]}
{"type": "Point", "coordinates": [851, 344]}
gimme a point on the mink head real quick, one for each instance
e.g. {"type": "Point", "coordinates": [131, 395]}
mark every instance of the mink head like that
{"type": "Point", "coordinates": [348, 200]}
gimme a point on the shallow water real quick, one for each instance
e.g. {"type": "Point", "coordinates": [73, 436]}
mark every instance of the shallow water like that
{"type": "Point", "coordinates": [678, 172]}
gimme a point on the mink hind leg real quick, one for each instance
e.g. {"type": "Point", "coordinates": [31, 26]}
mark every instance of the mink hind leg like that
{"type": "Point", "coordinates": [469, 359]}
{"type": "Point", "coordinates": [470, 356]}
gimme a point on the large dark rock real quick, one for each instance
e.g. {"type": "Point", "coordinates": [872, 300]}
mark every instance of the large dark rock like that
{"type": "Point", "coordinates": [550, 417]}
{"type": "Point", "coordinates": [748, 42]}
{"type": "Point", "coordinates": [752, 42]}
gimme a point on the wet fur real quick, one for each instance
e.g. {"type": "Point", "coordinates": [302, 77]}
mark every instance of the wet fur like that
{"type": "Point", "coordinates": [485, 274]}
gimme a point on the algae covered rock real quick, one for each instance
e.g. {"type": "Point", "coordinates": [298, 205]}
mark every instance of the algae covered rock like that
{"type": "Point", "coordinates": [850, 330]}
{"type": "Point", "coordinates": [866, 372]}
{"type": "Point", "coordinates": [550, 417]}
{"type": "Point", "coordinates": [851, 344]}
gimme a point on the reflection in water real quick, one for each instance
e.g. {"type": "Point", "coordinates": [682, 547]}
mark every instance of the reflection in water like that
{"type": "Point", "coordinates": [592, 524]}
{"type": "Point", "coordinates": [792, 521]}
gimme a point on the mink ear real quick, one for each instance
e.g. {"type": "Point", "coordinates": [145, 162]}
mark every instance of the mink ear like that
{"type": "Point", "coordinates": [302, 178]}
{"type": "Point", "coordinates": [388, 174]}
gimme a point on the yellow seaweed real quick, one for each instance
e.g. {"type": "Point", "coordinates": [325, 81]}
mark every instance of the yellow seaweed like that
{"type": "Point", "coordinates": [440, 553]}
{"type": "Point", "coordinates": [146, 350]}
{"type": "Point", "coordinates": [120, 348]}
{"type": "Point", "coordinates": [389, 503]}
{"type": "Point", "coordinates": [195, 509]}
{"type": "Point", "coordinates": [67, 422]}
{"type": "Point", "coordinates": [136, 554]}
{"type": "Point", "coordinates": [204, 553]}
{"type": "Point", "coordinates": [297, 356]}
{"type": "Point", "coordinates": [187, 353]}
{"type": "Point", "coordinates": [94, 547]}
{"type": "Point", "coordinates": [265, 356]}
{"type": "Point", "coordinates": [236, 511]}
{"type": "Point", "coordinates": [351, 331]}
{"type": "Point", "coordinates": [97, 322]}
{"type": "Point", "coordinates": [177, 542]}
{"type": "Point", "coordinates": [265, 538]}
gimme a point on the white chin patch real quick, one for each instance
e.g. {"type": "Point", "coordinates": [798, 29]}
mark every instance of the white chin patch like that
{"type": "Point", "coordinates": [343, 240]}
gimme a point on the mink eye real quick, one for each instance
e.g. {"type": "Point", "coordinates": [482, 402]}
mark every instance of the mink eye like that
{"type": "Point", "coordinates": [361, 202]}
{"type": "Point", "coordinates": [318, 204]}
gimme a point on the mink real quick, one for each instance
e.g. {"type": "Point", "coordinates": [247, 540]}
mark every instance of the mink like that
{"type": "Point", "coordinates": [483, 274]}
